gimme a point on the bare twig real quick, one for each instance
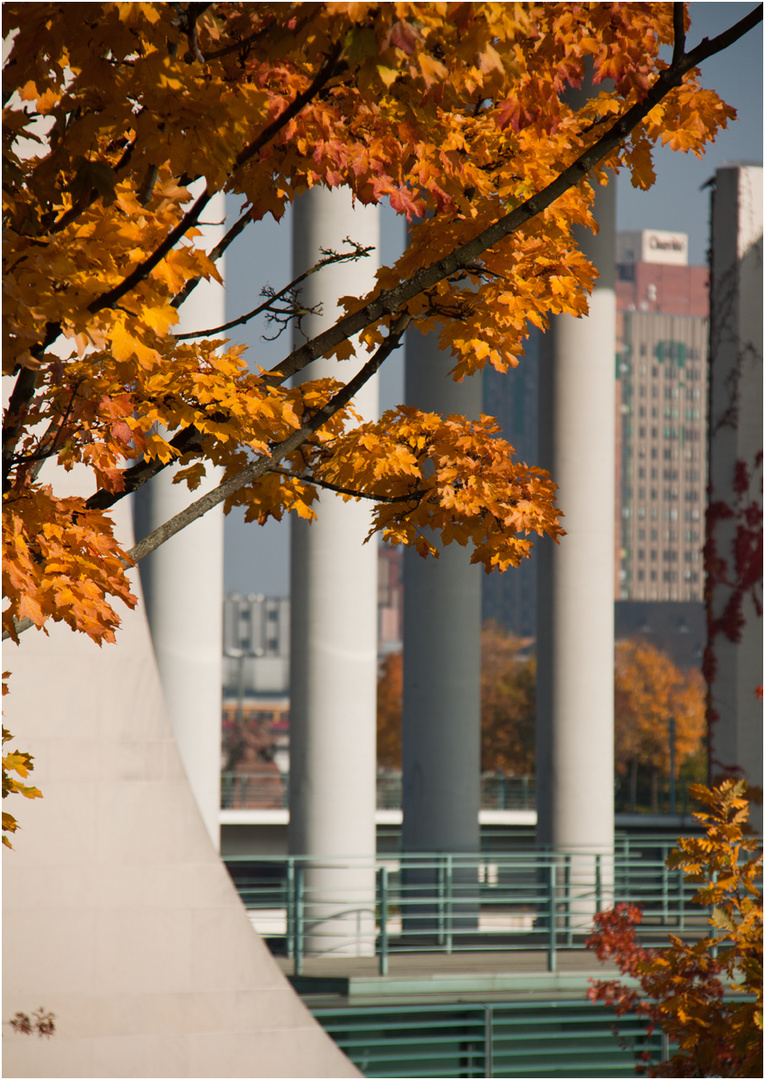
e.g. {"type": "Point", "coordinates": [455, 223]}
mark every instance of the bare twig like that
{"type": "Point", "coordinates": [330, 257]}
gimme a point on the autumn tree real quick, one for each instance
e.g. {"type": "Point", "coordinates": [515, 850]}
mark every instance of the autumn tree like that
{"type": "Point", "coordinates": [656, 704]}
{"type": "Point", "coordinates": [508, 680]}
{"type": "Point", "coordinates": [508, 703]}
{"type": "Point", "coordinates": [123, 120]}
{"type": "Point", "coordinates": [390, 692]}
{"type": "Point", "coordinates": [706, 997]}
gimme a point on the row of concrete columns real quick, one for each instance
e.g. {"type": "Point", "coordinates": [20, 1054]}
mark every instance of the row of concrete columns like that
{"type": "Point", "coordinates": [334, 598]}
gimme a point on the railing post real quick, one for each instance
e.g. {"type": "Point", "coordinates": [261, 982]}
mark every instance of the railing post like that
{"type": "Point", "coordinates": [551, 905]}
{"type": "Point", "coordinates": [680, 898]}
{"type": "Point", "coordinates": [290, 907]}
{"type": "Point", "coordinates": [567, 900]}
{"type": "Point", "coordinates": [382, 884]}
{"type": "Point", "coordinates": [440, 875]}
{"type": "Point", "coordinates": [298, 951]}
{"type": "Point", "coordinates": [488, 1042]}
{"type": "Point", "coordinates": [525, 788]}
{"type": "Point", "coordinates": [598, 883]}
{"type": "Point", "coordinates": [449, 902]}
{"type": "Point", "coordinates": [665, 892]}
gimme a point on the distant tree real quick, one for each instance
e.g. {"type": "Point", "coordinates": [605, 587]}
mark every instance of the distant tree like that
{"type": "Point", "coordinates": [390, 688]}
{"type": "Point", "coordinates": [649, 693]}
{"type": "Point", "coordinates": [508, 703]}
{"type": "Point", "coordinates": [707, 997]}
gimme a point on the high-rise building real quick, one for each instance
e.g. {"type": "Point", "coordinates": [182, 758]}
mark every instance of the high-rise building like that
{"type": "Point", "coordinates": [661, 367]}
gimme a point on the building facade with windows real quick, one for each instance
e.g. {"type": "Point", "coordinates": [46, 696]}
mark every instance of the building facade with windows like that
{"type": "Point", "coordinates": [661, 367]}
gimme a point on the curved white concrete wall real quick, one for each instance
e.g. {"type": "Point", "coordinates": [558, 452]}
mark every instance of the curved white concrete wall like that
{"type": "Point", "coordinates": [333, 653]}
{"type": "Point", "coordinates": [117, 913]}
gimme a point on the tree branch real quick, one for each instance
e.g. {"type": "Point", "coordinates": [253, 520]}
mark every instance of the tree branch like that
{"type": "Point", "coordinates": [305, 478]}
{"type": "Point", "coordinates": [191, 217]}
{"type": "Point", "coordinates": [678, 25]}
{"type": "Point", "coordinates": [266, 462]}
{"type": "Point", "coordinates": [393, 299]}
{"type": "Point", "coordinates": [323, 76]}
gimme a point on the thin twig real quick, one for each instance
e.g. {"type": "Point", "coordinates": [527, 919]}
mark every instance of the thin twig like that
{"type": "Point", "coordinates": [332, 257]}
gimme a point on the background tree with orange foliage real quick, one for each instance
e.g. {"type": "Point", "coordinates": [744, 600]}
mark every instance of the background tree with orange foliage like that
{"type": "Point", "coordinates": [508, 694]}
{"type": "Point", "coordinates": [508, 703]}
{"type": "Point", "coordinates": [390, 690]}
{"type": "Point", "coordinates": [650, 694]}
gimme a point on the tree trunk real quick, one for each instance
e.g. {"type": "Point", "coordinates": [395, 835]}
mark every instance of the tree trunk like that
{"type": "Point", "coordinates": [654, 790]}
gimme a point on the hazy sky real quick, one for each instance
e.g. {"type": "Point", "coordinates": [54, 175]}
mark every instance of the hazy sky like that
{"type": "Point", "coordinates": [257, 558]}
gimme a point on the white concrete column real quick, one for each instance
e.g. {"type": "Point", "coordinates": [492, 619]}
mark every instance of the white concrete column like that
{"type": "Point", "coordinates": [333, 655]}
{"type": "Point", "coordinates": [575, 648]}
{"type": "Point", "coordinates": [736, 436]}
{"type": "Point", "coordinates": [441, 739]}
{"type": "Point", "coordinates": [183, 588]}
{"type": "Point", "coordinates": [441, 722]}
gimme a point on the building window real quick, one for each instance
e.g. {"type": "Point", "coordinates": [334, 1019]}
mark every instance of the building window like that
{"type": "Point", "coordinates": [641, 554]}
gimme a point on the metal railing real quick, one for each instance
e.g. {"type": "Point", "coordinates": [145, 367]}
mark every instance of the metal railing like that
{"type": "Point", "coordinates": [509, 1039]}
{"type": "Point", "coordinates": [452, 902]}
{"type": "Point", "coordinates": [269, 790]}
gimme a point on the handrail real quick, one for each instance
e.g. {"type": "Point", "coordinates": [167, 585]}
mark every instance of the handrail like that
{"type": "Point", "coordinates": [451, 902]}
{"type": "Point", "coordinates": [268, 789]}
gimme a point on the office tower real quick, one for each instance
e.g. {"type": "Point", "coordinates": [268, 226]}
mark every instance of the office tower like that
{"type": "Point", "coordinates": [661, 368]}
{"type": "Point", "coordinates": [661, 400]}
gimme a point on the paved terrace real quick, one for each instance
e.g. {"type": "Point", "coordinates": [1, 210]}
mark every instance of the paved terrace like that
{"type": "Point", "coordinates": [438, 976]}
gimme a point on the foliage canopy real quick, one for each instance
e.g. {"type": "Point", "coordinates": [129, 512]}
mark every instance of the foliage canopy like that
{"type": "Point", "coordinates": [122, 120]}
